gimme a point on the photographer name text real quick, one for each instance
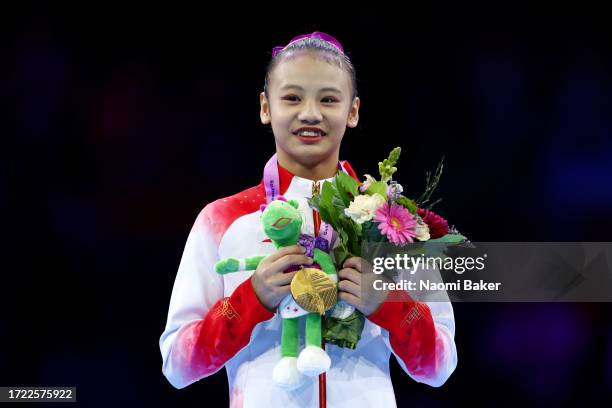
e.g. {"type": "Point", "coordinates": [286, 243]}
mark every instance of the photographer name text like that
{"type": "Point", "coordinates": [426, 285]}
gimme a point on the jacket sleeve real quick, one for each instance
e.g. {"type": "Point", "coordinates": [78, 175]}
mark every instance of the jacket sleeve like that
{"type": "Point", "coordinates": [421, 335]}
{"type": "Point", "coordinates": [204, 330]}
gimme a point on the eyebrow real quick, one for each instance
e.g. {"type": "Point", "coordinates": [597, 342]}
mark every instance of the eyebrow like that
{"type": "Point", "coordinates": [328, 89]}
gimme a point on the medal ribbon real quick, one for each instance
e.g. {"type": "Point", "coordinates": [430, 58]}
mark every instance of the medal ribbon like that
{"type": "Point", "coordinates": [272, 187]}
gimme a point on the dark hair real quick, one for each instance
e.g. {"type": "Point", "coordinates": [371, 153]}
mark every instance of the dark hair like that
{"type": "Point", "coordinates": [328, 51]}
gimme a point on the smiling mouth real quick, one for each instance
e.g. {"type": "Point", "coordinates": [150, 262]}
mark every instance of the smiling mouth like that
{"type": "Point", "coordinates": [309, 132]}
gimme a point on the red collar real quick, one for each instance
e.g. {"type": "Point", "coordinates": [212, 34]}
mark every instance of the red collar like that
{"type": "Point", "coordinates": [285, 176]}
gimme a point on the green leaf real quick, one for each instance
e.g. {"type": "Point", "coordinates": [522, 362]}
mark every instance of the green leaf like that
{"type": "Point", "coordinates": [338, 203]}
{"type": "Point", "coordinates": [341, 255]}
{"type": "Point", "coordinates": [347, 228]}
{"type": "Point", "coordinates": [349, 184]}
{"type": "Point", "coordinates": [408, 204]}
{"type": "Point", "coordinates": [327, 210]}
{"type": "Point", "coordinates": [356, 247]}
{"type": "Point", "coordinates": [343, 332]}
{"type": "Point", "coordinates": [371, 232]}
{"type": "Point", "coordinates": [342, 234]}
{"type": "Point", "coordinates": [449, 239]}
{"type": "Point", "coordinates": [333, 215]}
{"type": "Point", "coordinates": [329, 197]}
{"type": "Point", "coordinates": [314, 202]}
{"type": "Point", "coordinates": [380, 187]}
{"type": "Point", "coordinates": [325, 214]}
{"type": "Point", "coordinates": [437, 247]}
{"type": "Point", "coordinates": [326, 206]}
{"type": "Point", "coordinates": [354, 235]}
{"type": "Point", "coordinates": [327, 192]}
{"type": "Point", "coordinates": [341, 193]}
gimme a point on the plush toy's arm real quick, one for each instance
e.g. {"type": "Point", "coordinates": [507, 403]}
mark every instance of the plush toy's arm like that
{"type": "Point", "coordinates": [229, 265]}
{"type": "Point", "coordinates": [325, 261]}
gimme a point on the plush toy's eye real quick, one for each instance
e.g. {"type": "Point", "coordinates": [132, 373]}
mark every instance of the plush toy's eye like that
{"type": "Point", "coordinates": [282, 222]}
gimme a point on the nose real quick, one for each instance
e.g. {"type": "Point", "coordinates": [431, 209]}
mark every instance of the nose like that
{"type": "Point", "coordinates": [310, 114]}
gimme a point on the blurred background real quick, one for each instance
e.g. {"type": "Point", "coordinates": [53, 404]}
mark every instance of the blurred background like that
{"type": "Point", "coordinates": [120, 124]}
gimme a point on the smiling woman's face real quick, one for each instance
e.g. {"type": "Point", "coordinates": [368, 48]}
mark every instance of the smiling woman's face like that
{"type": "Point", "coordinates": [308, 92]}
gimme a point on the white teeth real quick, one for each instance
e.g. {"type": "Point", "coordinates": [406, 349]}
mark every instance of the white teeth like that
{"type": "Point", "coordinates": [309, 133]}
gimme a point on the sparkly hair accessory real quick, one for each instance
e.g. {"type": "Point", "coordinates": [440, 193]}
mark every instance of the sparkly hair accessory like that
{"type": "Point", "coordinates": [317, 34]}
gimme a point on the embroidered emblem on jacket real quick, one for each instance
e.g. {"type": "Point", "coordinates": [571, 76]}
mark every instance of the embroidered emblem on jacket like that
{"type": "Point", "coordinates": [226, 310]}
{"type": "Point", "coordinates": [414, 314]}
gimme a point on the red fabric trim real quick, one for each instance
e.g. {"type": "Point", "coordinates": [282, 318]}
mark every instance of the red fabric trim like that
{"type": "Point", "coordinates": [349, 169]}
{"type": "Point", "coordinates": [208, 344]}
{"type": "Point", "coordinates": [217, 216]}
{"type": "Point", "coordinates": [412, 333]}
{"type": "Point", "coordinates": [285, 177]}
{"type": "Point", "coordinates": [220, 214]}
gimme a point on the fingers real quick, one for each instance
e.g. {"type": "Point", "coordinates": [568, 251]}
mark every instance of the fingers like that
{"type": "Point", "coordinates": [286, 261]}
{"type": "Point", "coordinates": [350, 299]}
{"type": "Point", "coordinates": [283, 278]}
{"type": "Point", "coordinates": [350, 274]}
{"type": "Point", "coordinates": [359, 264]}
{"type": "Point", "coordinates": [353, 262]}
{"type": "Point", "coordinates": [283, 290]}
{"type": "Point", "coordinates": [350, 287]}
{"type": "Point", "coordinates": [293, 249]}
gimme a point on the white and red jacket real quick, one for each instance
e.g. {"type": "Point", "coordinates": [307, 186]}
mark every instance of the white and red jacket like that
{"type": "Point", "coordinates": [217, 321]}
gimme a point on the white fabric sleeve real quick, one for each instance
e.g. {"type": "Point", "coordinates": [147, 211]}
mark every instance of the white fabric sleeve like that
{"type": "Point", "coordinates": [197, 288]}
{"type": "Point", "coordinates": [444, 322]}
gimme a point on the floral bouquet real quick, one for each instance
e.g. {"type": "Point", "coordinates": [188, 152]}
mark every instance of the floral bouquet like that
{"type": "Point", "coordinates": [376, 211]}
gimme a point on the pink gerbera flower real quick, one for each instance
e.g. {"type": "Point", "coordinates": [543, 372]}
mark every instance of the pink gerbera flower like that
{"type": "Point", "coordinates": [396, 223]}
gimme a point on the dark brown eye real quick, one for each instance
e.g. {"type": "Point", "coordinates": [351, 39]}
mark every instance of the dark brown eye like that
{"type": "Point", "coordinates": [291, 98]}
{"type": "Point", "coordinates": [329, 99]}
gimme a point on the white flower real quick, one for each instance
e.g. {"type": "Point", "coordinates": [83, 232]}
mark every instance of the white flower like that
{"type": "Point", "coordinates": [363, 207]}
{"type": "Point", "coordinates": [422, 230]}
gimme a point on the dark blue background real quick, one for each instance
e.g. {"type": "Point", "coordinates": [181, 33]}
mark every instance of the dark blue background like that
{"type": "Point", "coordinates": [120, 125]}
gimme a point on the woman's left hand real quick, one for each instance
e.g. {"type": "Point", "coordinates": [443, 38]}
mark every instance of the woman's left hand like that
{"type": "Point", "coordinates": [355, 286]}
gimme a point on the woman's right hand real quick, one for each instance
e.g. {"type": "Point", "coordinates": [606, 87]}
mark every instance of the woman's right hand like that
{"type": "Point", "coordinates": [269, 280]}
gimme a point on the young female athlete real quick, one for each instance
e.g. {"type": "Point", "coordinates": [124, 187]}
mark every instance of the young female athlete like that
{"type": "Point", "coordinates": [215, 321]}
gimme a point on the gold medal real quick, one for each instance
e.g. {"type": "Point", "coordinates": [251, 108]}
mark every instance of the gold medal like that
{"type": "Point", "coordinates": [313, 290]}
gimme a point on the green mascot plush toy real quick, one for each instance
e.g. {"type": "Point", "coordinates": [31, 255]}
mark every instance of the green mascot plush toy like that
{"type": "Point", "coordinates": [282, 223]}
